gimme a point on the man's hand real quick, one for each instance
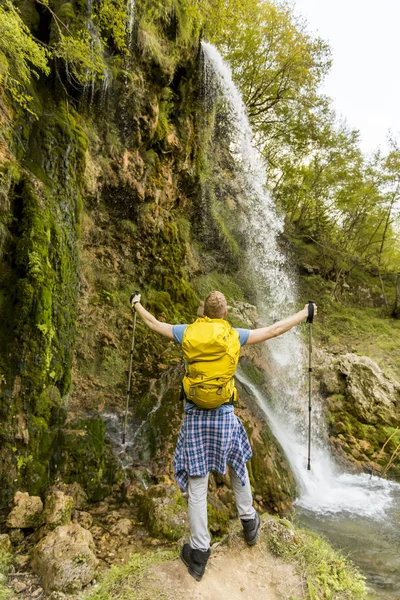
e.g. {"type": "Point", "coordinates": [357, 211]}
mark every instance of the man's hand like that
{"type": "Point", "coordinates": [306, 310]}
{"type": "Point", "coordinates": [161, 328]}
{"type": "Point", "coordinates": [135, 297]}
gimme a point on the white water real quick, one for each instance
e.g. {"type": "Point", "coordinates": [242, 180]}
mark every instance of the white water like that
{"type": "Point", "coordinates": [324, 489]}
{"type": "Point", "coordinates": [131, 20]}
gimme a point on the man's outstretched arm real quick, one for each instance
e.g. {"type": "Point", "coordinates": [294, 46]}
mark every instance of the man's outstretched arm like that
{"type": "Point", "coordinates": [157, 326]}
{"type": "Point", "coordinates": [266, 333]}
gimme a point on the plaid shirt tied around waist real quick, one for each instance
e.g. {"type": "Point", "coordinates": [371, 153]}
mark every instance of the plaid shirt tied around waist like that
{"type": "Point", "coordinates": [208, 440]}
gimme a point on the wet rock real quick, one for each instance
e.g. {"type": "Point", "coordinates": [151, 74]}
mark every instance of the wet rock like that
{"type": "Point", "coordinates": [280, 533]}
{"type": "Point", "coordinates": [58, 509]}
{"type": "Point", "coordinates": [374, 395]}
{"type": "Point", "coordinates": [16, 536]}
{"type": "Point", "coordinates": [5, 543]}
{"type": "Point", "coordinates": [245, 312]}
{"type": "Point", "coordinates": [27, 512]}
{"type": "Point", "coordinates": [84, 519]}
{"type": "Point", "coordinates": [18, 586]}
{"type": "Point", "coordinates": [160, 508]}
{"type": "Point", "coordinates": [65, 560]}
{"type": "Point", "coordinates": [75, 490]}
{"type": "Point", "coordinates": [123, 527]}
{"type": "Point", "coordinates": [22, 560]}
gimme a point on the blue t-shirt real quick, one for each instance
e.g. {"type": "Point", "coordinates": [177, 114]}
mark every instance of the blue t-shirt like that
{"type": "Point", "coordinates": [178, 331]}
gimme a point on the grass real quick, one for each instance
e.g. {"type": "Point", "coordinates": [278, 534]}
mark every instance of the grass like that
{"type": "Point", "coordinates": [218, 281]}
{"type": "Point", "coordinates": [5, 564]}
{"type": "Point", "coordinates": [351, 327]}
{"type": "Point", "coordinates": [326, 574]}
{"type": "Point", "coordinates": [129, 582]}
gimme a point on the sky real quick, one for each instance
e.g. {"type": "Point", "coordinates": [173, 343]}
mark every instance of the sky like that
{"type": "Point", "coordinates": [364, 81]}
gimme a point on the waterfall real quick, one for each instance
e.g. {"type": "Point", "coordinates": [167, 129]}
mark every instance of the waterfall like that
{"type": "Point", "coordinates": [131, 20]}
{"type": "Point", "coordinates": [323, 489]}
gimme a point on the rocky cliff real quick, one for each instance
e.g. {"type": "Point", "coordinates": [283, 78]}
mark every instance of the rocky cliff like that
{"type": "Point", "coordinates": [111, 183]}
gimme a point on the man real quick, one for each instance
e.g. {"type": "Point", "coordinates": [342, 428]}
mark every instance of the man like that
{"type": "Point", "coordinates": [212, 437]}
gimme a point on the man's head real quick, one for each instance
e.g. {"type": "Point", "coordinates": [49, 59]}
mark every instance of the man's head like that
{"type": "Point", "coordinates": [215, 306]}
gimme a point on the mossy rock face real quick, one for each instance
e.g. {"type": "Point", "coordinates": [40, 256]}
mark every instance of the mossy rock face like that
{"type": "Point", "coordinates": [83, 457]}
{"type": "Point", "coordinates": [163, 511]}
{"type": "Point", "coordinates": [38, 290]}
{"type": "Point", "coordinates": [362, 413]}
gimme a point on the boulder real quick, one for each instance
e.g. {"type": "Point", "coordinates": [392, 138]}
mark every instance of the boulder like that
{"type": "Point", "coordinates": [27, 512]}
{"type": "Point", "coordinates": [122, 528]}
{"type": "Point", "coordinates": [83, 518]}
{"type": "Point", "coordinates": [375, 396]}
{"type": "Point", "coordinates": [160, 507]}
{"type": "Point", "coordinates": [57, 509]}
{"type": "Point", "coordinates": [75, 490]}
{"type": "Point", "coordinates": [5, 544]}
{"type": "Point", "coordinates": [65, 560]}
{"type": "Point", "coordinates": [17, 536]}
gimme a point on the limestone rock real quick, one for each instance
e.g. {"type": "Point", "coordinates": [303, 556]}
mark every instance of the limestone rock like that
{"type": "Point", "coordinates": [27, 512]}
{"type": "Point", "coordinates": [374, 395]}
{"type": "Point", "coordinates": [64, 559]}
{"type": "Point", "coordinates": [123, 527]}
{"type": "Point", "coordinates": [247, 313]}
{"type": "Point", "coordinates": [17, 536]}
{"type": "Point", "coordinates": [161, 510]}
{"type": "Point", "coordinates": [5, 543]}
{"type": "Point", "coordinates": [19, 586]}
{"type": "Point", "coordinates": [22, 560]}
{"type": "Point", "coordinates": [84, 518]}
{"type": "Point", "coordinates": [75, 490]}
{"type": "Point", "coordinates": [57, 510]}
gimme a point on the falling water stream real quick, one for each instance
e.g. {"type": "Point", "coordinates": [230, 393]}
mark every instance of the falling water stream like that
{"type": "Point", "coordinates": [358, 513]}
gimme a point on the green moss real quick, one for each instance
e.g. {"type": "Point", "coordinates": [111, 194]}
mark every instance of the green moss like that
{"type": "Point", "coordinates": [160, 511]}
{"type": "Point", "coordinates": [81, 455]}
{"type": "Point", "coordinates": [218, 517]}
{"type": "Point", "coordinates": [129, 582]}
{"type": "Point", "coordinates": [328, 574]}
{"type": "Point", "coordinates": [222, 282]}
{"type": "Point", "coordinates": [6, 561]}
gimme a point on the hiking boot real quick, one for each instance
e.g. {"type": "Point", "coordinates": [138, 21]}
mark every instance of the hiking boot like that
{"type": "Point", "coordinates": [195, 560]}
{"type": "Point", "coordinates": [251, 529]}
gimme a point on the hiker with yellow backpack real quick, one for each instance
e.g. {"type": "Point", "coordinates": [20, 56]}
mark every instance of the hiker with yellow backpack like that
{"type": "Point", "coordinates": [212, 437]}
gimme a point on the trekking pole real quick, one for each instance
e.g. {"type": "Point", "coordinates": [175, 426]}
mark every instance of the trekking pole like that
{"type": "Point", "coordinates": [310, 321]}
{"type": "Point", "coordinates": [128, 393]}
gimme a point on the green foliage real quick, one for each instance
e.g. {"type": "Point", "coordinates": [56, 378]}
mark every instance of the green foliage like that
{"type": "Point", "coordinates": [328, 574]}
{"type": "Point", "coordinates": [83, 56]}
{"type": "Point", "coordinates": [153, 47]}
{"type": "Point", "coordinates": [277, 64]}
{"type": "Point", "coordinates": [6, 561]}
{"type": "Point", "coordinates": [218, 281]}
{"type": "Point", "coordinates": [166, 110]}
{"type": "Point", "coordinates": [331, 194]}
{"type": "Point", "coordinates": [21, 57]}
{"type": "Point", "coordinates": [113, 20]}
{"type": "Point", "coordinates": [122, 583]}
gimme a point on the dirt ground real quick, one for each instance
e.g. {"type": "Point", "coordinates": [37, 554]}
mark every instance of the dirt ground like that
{"type": "Point", "coordinates": [232, 574]}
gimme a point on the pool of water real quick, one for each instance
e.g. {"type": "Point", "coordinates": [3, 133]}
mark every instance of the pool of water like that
{"type": "Point", "coordinates": [373, 544]}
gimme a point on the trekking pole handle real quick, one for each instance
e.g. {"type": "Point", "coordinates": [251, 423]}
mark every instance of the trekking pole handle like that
{"type": "Point", "coordinates": [310, 317]}
{"type": "Point", "coordinates": [136, 293]}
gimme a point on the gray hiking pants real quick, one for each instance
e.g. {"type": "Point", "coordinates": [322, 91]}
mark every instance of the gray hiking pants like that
{"type": "Point", "coordinates": [200, 538]}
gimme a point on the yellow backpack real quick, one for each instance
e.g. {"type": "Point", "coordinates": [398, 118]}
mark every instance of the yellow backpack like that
{"type": "Point", "coordinates": [211, 350]}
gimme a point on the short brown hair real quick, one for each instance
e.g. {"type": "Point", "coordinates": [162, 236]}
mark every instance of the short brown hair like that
{"type": "Point", "coordinates": [215, 305]}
